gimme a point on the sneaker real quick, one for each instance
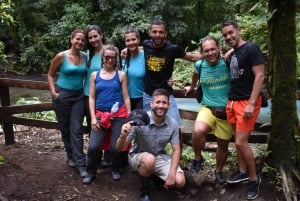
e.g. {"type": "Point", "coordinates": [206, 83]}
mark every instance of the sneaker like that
{"type": "Point", "coordinates": [71, 163]}
{"type": "Point", "coordinates": [82, 171]}
{"type": "Point", "coordinates": [219, 177]}
{"type": "Point", "coordinates": [144, 197]}
{"type": "Point", "coordinates": [253, 189]}
{"type": "Point", "coordinates": [237, 177]}
{"type": "Point", "coordinates": [116, 175]}
{"type": "Point", "coordinates": [88, 179]}
{"type": "Point", "coordinates": [197, 165]}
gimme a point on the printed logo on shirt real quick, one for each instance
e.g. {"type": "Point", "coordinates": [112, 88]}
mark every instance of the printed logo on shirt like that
{"type": "Point", "coordinates": [235, 72]}
{"type": "Point", "coordinates": [155, 63]}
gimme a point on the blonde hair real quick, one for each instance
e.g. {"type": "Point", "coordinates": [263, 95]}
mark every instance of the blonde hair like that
{"type": "Point", "coordinates": [117, 65]}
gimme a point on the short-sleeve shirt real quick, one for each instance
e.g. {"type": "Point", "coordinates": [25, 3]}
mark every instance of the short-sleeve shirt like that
{"type": "Point", "coordinates": [215, 80]}
{"type": "Point", "coordinates": [160, 65]}
{"type": "Point", "coordinates": [242, 61]}
{"type": "Point", "coordinates": [153, 138]}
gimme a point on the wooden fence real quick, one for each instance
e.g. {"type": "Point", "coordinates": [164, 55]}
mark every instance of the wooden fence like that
{"type": "Point", "coordinates": [8, 119]}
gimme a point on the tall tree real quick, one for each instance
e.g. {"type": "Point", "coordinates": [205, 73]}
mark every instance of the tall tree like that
{"type": "Point", "coordinates": [282, 60]}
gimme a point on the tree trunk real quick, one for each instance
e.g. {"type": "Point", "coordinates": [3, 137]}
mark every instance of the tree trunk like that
{"type": "Point", "coordinates": [282, 61]}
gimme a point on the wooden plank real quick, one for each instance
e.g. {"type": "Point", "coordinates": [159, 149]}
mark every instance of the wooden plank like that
{"type": "Point", "coordinates": [30, 122]}
{"type": "Point", "coordinates": [189, 115]}
{"type": "Point", "coordinates": [24, 83]}
{"type": "Point", "coordinates": [255, 137]}
{"type": "Point", "coordinates": [16, 109]}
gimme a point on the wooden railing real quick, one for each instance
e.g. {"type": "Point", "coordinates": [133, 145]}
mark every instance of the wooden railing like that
{"type": "Point", "coordinates": [8, 119]}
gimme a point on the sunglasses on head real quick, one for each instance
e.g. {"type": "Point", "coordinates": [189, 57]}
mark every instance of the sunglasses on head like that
{"type": "Point", "coordinates": [107, 58]}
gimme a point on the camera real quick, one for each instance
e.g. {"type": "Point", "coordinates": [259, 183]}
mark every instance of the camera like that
{"type": "Point", "coordinates": [134, 123]}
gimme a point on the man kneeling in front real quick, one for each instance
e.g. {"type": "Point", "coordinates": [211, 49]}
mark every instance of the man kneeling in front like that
{"type": "Point", "coordinates": [149, 134]}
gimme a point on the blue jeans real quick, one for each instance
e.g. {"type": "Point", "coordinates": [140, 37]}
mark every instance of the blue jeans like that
{"type": "Point", "coordinates": [95, 142]}
{"type": "Point", "coordinates": [69, 110]}
{"type": "Point", "coordinates": [172, 111]}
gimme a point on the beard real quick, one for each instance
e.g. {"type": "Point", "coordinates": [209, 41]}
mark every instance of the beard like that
{"type": "Point", "coordinates": [159, 112]}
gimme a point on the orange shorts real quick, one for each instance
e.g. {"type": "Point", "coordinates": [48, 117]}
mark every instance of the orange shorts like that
{"type": "Point", "coordinates": [235, 114]}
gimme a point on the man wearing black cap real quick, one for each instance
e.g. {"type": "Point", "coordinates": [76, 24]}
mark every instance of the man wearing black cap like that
{"type": "Point", "coordinates": [149, 139]}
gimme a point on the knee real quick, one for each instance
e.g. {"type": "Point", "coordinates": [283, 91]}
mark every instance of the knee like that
{"type": "Point", "coordinates": [198, 133]}
{"type": "Point", "coordinates": [180, 180]}
{"type": "Point", "coordinates": [240, 145]}
{"type": "Point", "coordinates": [146, 165]}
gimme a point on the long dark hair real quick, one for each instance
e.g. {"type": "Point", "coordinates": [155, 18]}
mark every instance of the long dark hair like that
{"type": "Point", "coordinates": [130, 30]}
{"type": "Point", "coordinates": [90, 47]}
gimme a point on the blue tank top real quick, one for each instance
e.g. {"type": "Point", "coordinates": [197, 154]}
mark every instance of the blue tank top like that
{"type": "Point", "coordinates": [71, 76]}
{"type": "Point", "coordinates": [108, 92]}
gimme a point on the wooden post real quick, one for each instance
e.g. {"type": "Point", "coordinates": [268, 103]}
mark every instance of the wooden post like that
{"type": "Point", "coordinates": [7, 127]}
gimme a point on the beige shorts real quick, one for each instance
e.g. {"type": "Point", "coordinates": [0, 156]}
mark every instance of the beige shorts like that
{"type": "Point", "coordinates": [161, 167]}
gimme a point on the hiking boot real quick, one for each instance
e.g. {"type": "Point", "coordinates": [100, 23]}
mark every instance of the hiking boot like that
{"type": "Point", "coordinates": [237, 177]}
{"type": "Point", "coordinates": [253, 189]}
{"type": "Point", "coordinates": [219, 177]}
{"type": "Point", "coordinates": [197, 165]}
{"type": "Point", "coordinates": [82, 171]}
{"type": "Point", "coordinates": [144, 197]}
{"type": "Point", "coordinates": [116, 175]}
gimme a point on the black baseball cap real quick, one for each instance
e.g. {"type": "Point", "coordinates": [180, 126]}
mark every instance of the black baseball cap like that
{"type": "Point", "coordinates": [139, 117]}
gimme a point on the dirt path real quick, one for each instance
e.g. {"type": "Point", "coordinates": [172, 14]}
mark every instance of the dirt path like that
{"type": "Point", "coordinates": [35, 169]}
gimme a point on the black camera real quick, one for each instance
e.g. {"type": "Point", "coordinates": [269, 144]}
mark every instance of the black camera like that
{"type": "Point", "coordinates": [134, 123]}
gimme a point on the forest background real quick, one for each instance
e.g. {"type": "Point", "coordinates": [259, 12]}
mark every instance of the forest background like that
{"type": "Point", "coordinates": [38, 29]}
{"type": "Point", "coordinates": [33, 31]}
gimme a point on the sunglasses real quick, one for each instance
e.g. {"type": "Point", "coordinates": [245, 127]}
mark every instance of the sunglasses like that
{"type": "Point", "coordinates": [107, 58]}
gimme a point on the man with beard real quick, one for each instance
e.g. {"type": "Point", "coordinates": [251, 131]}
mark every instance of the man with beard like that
{"type": "Point", "coordinates": [148, 155]}
{"type": "Point", "coordinates": [247, 68]}
{"type": "Point", "coordinates": [160, 56]}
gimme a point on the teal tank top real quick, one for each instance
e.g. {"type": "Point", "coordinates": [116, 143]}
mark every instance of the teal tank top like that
{"type": "Point", "coordinates": [96, 64]}
{"type": "Point", "coordinates": [71, 76]}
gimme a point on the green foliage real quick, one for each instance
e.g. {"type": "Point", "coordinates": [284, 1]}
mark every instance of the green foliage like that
{"type": "Point", "coordinates": [6, 19]}
{"type": "Point", "coordinates": [182, 73]}
{"type": "Point", "coordinates": [1, 159]}
{"type": "Point", "coordinates": [38, 51]}
{"type": "Point", "coordinates": [44, 115]}
{"type": "Point", "coordinates": [6, 9]}
{"type": "Point", "coordinates": [275, 174]}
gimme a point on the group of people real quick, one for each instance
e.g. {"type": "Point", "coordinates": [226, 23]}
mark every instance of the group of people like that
{"type": "Point", "coordinates": [114, 94]}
